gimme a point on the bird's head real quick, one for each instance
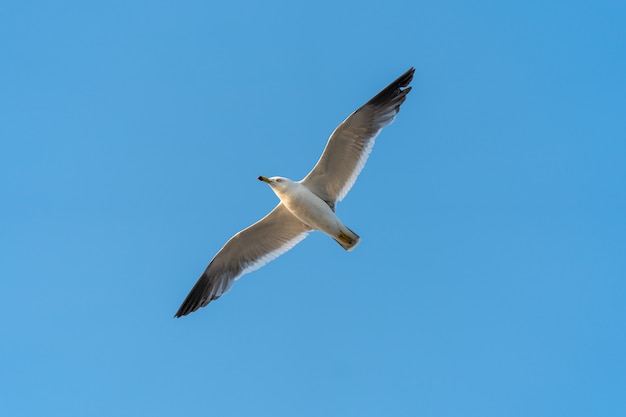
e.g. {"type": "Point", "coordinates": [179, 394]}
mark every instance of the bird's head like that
{"type": "Point", "coordinates": [277, 183]}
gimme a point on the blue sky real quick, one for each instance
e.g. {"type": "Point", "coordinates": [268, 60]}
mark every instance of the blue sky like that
{"type": "Point", "coordinates": [491, 275]}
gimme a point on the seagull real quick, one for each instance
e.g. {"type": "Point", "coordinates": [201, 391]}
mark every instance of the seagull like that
{"type": "Point", "coordinates": [305, 205]}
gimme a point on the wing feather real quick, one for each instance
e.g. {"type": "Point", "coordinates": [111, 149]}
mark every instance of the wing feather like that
{"type": "Point", "coordinates": [352, 141]}
{"type": "Point", "coordinates": [248, 250]}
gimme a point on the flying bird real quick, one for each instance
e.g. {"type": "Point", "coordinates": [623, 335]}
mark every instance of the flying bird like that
{"type": "Point", "coordinates": [305, 205]}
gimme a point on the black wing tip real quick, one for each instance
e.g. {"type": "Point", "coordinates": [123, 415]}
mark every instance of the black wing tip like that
{"type": "Point", "coordinates": [189, 307]}
{"type": "Point", "coordinates": [193, 301]}
{"type": "Point", "coordinates": [199, 296]}
{"type": "Point", "coordinates": [405, 78]}
{"type": "Point", "coordinates": [186, 308]}
{"type": "Point", "coordinates": [394, 90]}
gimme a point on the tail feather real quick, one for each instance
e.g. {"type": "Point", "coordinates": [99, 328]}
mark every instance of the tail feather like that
{"type": "Point", "coordinates": [347, 239]}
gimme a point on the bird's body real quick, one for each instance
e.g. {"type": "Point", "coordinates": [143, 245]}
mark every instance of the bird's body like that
{"type": "Point", "coordinates": [311, 210]}
{"type": "Point", "coordinates": [305, 205]}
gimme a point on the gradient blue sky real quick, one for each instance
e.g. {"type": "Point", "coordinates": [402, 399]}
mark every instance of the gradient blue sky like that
{"type": "Point", "coordinates": [491, 275]}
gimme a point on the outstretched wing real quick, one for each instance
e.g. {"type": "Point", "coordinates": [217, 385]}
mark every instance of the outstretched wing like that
{"type": "Point", "coordinates": [351, 143]}
{"type": "Point", "coordinates": [248, 250]}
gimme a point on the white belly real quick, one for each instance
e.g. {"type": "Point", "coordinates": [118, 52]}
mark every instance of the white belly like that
{"type": "Point", "coordinates": [311, 210]}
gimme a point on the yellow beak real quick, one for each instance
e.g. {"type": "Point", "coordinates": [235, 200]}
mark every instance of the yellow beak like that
{"type": "Point", "coordinates": [264, 179]}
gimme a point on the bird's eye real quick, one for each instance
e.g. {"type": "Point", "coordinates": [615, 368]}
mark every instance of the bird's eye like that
{"type": "Point", "coordinates": [279, 180]}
